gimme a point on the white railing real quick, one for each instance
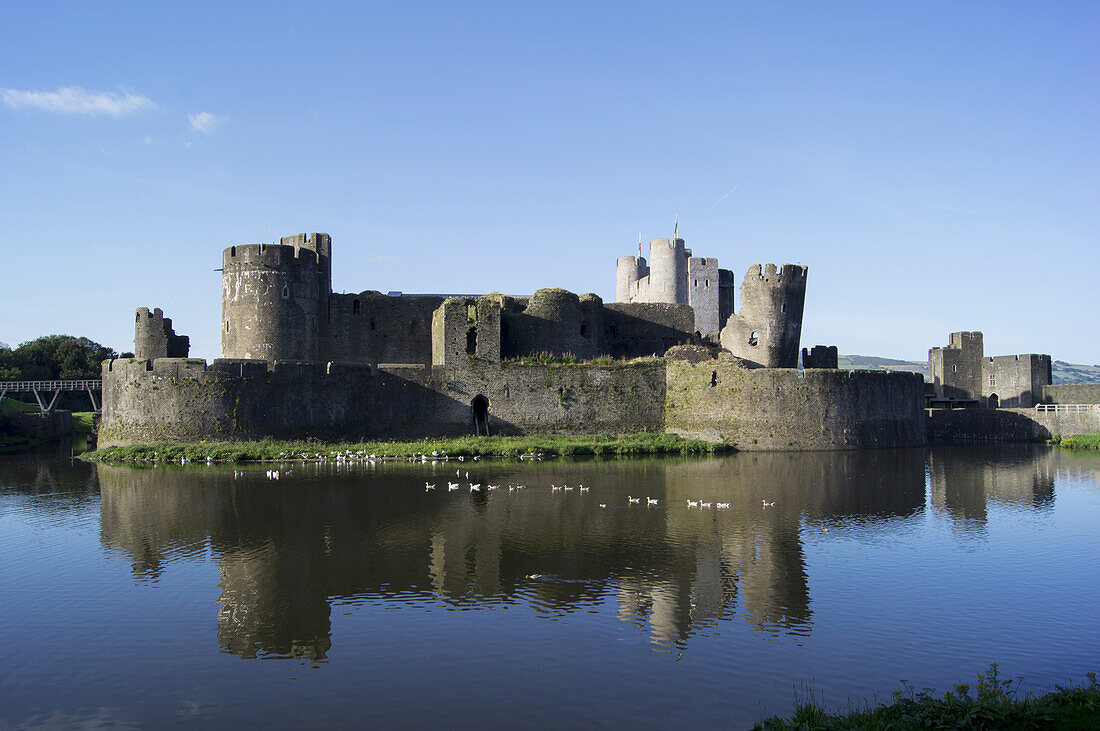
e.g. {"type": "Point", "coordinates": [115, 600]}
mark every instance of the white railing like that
{"type": "Point", "coordinates": [1066, 408]}
{"type": "Point", "coordinates": [14, 386]}
{"type": "Point", "coordinates": [55, 387]}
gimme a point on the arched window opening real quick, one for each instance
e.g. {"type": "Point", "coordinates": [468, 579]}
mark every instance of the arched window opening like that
{"type": "Point", "coordinates": [414, 327]}
{"type": "Point", "coordinates": [286, 291]}
{"type": "Point", "coordinates": [356, 307]}
{"type": "Point", "coordinates": [584, 329]}
{"type": "Point", "coordinates": [994, 401]}
{"type": "Point", "coordinates": [471, 341]}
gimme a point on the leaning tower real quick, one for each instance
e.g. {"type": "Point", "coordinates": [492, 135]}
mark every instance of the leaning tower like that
{"type": "Point", "coordinates": [768, 328]}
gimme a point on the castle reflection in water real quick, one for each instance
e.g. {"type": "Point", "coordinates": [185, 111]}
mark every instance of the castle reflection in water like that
{"type": "Point", "coordinates": [289, 550]}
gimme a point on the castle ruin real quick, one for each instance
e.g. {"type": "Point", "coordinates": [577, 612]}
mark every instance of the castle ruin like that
{"type": "Point", "coordinates": [300, 360]}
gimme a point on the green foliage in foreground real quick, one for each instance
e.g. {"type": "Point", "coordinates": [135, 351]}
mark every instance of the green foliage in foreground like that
{"type": "Point", "coordinates": [1081, 441]}
{"type": "Point", "coordinates": [993, 704]}
{"type": "Point", "coordinates": [546, 445]}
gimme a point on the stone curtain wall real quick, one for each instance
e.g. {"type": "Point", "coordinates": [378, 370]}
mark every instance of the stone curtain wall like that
{"type": "Point", "coordinates": [1071, 393]}
{"type": "Point", "coordinates": [187, 400]}
{"type": "Point", "coordinates": [370, 327]}
{"type": "Point", "coordinates": [950, 426]}
{"type": "Point", "coordinates": [777, 409]}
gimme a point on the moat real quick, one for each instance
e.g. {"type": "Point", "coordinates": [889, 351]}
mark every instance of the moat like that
{"type": "Point", "coordinates": [350, 594]}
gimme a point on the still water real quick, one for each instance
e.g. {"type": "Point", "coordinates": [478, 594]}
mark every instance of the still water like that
{"type": "Point", "coordinates": [348, 594]}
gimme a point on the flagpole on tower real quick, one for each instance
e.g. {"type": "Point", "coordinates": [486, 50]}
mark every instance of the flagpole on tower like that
{"type": "Point", "coordinates": [676, 229]}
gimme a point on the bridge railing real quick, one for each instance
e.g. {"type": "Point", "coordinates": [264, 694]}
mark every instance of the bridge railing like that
{"type": "Point", "coordinates": [84, 385]}
{"type": "Point", "coordinates": [55, 387]}
{"type": "Point", "coordinates": [1066, 408]}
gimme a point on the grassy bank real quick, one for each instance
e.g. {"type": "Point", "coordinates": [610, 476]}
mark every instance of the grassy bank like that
{"type": "Point", "coordinates": [992, 704]}
{"type": "Point", "coordinates": [547, 446]}
{"type": "Point", "coordinates": [1081, 441]}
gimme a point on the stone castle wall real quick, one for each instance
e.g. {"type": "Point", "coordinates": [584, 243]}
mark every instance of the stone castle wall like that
{"type": "Point", "coordinates": [780, 409]}
{"type": "Point", "coordinates": [951, 426]}
{"type": "Point", "coordinates": [1071, 393]}
{"type": "Point", "coordinates": [754, 409]}
{"type": "Point", "coordinates": [188, 400]}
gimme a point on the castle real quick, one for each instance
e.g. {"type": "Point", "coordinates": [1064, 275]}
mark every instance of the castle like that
{"type": "Point", "coordinates": [300, 360]}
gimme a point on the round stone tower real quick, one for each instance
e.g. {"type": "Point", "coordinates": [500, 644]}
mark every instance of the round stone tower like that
{"type": "Point", "coordinates": [275, 298]}
{"type": "Point", "coordinates": [668, 277]}
{"type": "Point", "coordinates": [768, 328]}
{"type": "Point", "coordinates": [628, 270]}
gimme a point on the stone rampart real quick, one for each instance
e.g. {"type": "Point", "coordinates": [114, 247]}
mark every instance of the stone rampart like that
{"type": "Point", "coordinates": [189, 400]}
{"type": "Point", "coordinates": [950, 426]}
{"type": "Point", "coordinates": [1071, 393]}
{"type": "Point", "coordinates": [780, 409]}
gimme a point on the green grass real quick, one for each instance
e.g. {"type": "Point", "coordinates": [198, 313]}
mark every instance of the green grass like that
{"type": "Point", "coordinates": [9, 405]}
{"type": "Point", "coordinates": [1081, 441]}
{"type": "Point", "coordinates": [992, 704]}
{"type": "Point", "coordinates": [546, 358]}
{"type": "Point", "coordinates": [546, 445]}
{"type": "Point", "coordinates": [83, 422]}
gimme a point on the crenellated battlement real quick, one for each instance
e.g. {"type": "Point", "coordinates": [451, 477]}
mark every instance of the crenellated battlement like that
{"type": "Point", "coordinates": [771, 274]}
{"type": "Point", "coordinates": [279, 256]}
{"type": "Point", "coordinates": [155, 338]}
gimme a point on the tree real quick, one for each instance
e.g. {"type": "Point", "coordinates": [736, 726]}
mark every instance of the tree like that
{"type": "Point", "coordinates": [55, 357]}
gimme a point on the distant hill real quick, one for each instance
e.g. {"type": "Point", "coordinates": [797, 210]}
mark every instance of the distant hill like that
{"type": "Point", "coordinates": [1061, 372]}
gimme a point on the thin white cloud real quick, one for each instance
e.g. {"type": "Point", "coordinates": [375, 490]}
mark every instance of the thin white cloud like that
{"type": "Point", "coordinates": [204, 122]}
{"type": "Point", "coordinates": [75, 100]}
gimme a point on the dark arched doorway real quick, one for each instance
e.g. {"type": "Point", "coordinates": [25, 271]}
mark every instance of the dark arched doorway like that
{"type": "Point", "coordinates": [994, 402]}
{"type": "Point", "coordinates": [480, 406]}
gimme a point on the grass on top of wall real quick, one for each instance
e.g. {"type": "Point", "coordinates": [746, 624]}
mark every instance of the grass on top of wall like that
{"type": "Point", "coordinates": [1080, 441]}
{"type": "Point", "coordinates": [544, 445]}
{"type": "Point", "coordinates": [568, 359]}
{"type": "Point", "coordinates": [992, 704]}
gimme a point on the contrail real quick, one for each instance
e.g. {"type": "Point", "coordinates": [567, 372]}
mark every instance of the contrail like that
{"type": "Point", "coordinates": [726, 195]}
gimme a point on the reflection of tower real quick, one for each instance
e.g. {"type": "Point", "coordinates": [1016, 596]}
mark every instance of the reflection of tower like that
{"type": "Point", "coordinates": [270, 607]}
{"type": "Point", "coordinates": [964, 482]}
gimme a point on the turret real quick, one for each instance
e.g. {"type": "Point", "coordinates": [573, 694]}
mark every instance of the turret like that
{"type": "Point", "coordinates": [275, 298]}
{"type": "Point", "coordinates": [768, 328]}
{"type": "Point", "coordinates": [155, 338]}
{"type": "Point", "coordinates": [628, 270]}
{"type": "Point", "coordinates": [668, 271]}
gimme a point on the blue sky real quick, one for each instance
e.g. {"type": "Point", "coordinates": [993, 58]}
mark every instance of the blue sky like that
{"type": "Point", "coordinates": [935, 165]}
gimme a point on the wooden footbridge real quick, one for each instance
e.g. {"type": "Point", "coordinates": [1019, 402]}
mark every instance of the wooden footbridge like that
{"type": "Point", "coordinates": [51, 390]}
